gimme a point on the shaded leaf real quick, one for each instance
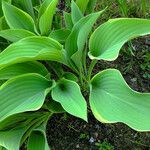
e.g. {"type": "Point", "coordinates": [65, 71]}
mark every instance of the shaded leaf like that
{"type": "Point", "coordinates": [68, 21]}
{"type": "Point", "coordinates": [91, 6]}
{"type": "Point", "coordinates": [60, 35]}
{"type": "Point", "coordinates": [37, 139]}
{"type": "Point", "coordinates": [82, 4]}
{"type": "Point", "coordinates": [3, 24]}
{"type": "Point", "coordinates": [14, 128]}
{"type": "Point", "coordinates": [54, 107]}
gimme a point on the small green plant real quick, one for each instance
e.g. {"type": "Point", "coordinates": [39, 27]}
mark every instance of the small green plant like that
{"type": "Point", "coordinates": [44, 70]}
{"type": "Point", "coordinates": [104, 146]}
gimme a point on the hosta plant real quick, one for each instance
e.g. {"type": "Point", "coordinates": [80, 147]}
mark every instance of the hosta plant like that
{"type": "Point", "coordinates": [44, 70]}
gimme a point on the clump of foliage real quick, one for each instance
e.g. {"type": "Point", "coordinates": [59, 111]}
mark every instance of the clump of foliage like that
{"type": "Point", "coordinates": [40, 47]}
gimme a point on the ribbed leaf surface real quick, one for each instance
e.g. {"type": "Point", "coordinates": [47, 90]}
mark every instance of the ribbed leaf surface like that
{"type": "Point", "coordinates": [76, 14]}
{"type": "Point", "coordinates": [68, 94]}
{"type": "Point", "coordinates": [15, 35]}
{"type": "Point", "coordinates": [23, 93]}
{"type": "Point", "coordinates": [22, 68]}
{"type": "Point", "coordinates": [32, 48]}
{"type": "Point", "coordinates": [16, 18]}
{"type": "Point", "coordinates": [107, 40]}
{"type": "Point", "coordinates": [112, 100]}
{"type": "Point", "coordinates": [45, 21]}
{"type": "Point", "coordinates": [77, 38]}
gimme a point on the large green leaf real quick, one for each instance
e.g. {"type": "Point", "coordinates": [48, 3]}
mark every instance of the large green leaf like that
{"type": "Point", "coordinates": [77, 38]}
{"type": "Point", "coordinates": [112, 100]}
{"type": "Point", "coordinates": [15, 35]}
{"type": "Point", "coordinates": [82, 4]}
{"type": "Point", "coordinates": [68, 93]}
{"type": "Point", "coordinates": [32, 48]}
{"type": "Point", "coordinates": [76, 14]}
{"type": "Point", "coordinates": [22, 68]}
{"type": "Point", "coordinates": [107, 40]}
{"type": "Point", "coordinates": [23, 93]}
{"type": "Point", "coordinates": [45, 21]}
{"type": "Point", "coordinates": [16, 18]}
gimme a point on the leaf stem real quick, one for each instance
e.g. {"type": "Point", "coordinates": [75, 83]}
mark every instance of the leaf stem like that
{"type": "Point", "coordinates": [93, 63]}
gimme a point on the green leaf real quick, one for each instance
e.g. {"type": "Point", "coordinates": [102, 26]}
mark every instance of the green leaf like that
{"type": "Point", "coordinates": [82, 4]}
{"type": "Point", "coordinates": [32, 48]}
{"type": "Point", "coordinates": [16, 18]}
{"type": "Point", "coordinates": [11, 139]}
{"type": "Point", "coordinates": [25, 5]}
{"type": "Point", "coordinates": [37, 139]}
{"type": "Point", "coordinates": [43, 7]}
{"type": "Point", "coordinates": [76, 14]}
{"type": "Point", "coordinates": [45, 21]}
{"type": "Point", "coordinates": [3, 24]}
{"type": "Point", "coordinates": [22, 68]}
{"type": "Point", "coordinates": [91, 6]}
{"type": "Point", "coordinates": [70, 76]}
{"type": "Point", "coordinates": [15, 35]}
{"type": "Point", "coordinates": [54, 107]}
{"type": "Point", "coordinates": [1, 12]}
{"type": "Point", "coordinates": [16, 127]}
{"type": "Point", "coordinates": [77, 39]}
{"type": "Point", "coordinates": [112, 100]}
{"type": "Point", "coordinates": [107, 40]}
{"type": "Point", "coordinates": [68, 21]}
{"type": "Point", "coordinates": [60, 35]}
{"type": "Point", "coordinates": [68, 94]}
{"type": "Point", "coordinates": [23, 93]}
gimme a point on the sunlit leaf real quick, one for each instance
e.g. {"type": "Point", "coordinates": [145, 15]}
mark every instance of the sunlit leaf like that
{"type": "Point", "coordinates": [76, 14]}
{"type": "Point", "coordinates": [22, 68]}
{"type": "Point", "coordinates": [16, 18]}
{"type": "Point", "coordinates": [107, 40]}
{"type": "Point", "coordinates": [68, 94]}
{"type": "Point", "coordinates": [45, 21]}
{"type": "Point", "coordinates": [112, 100]}
{"type": "Point", "coordinates": [15, 35]}
{"type": "Point", "coordinates": [77, 39]}
{"type": "Point", "coordinates": [23, 93]}
{"type": "Point", "coordinates": [32, 48]}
